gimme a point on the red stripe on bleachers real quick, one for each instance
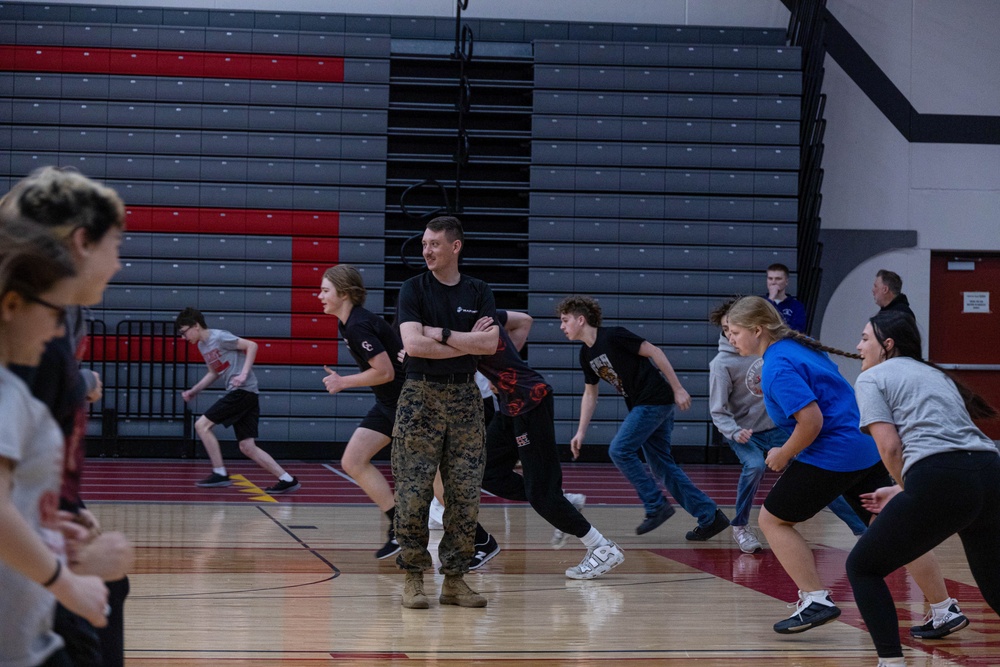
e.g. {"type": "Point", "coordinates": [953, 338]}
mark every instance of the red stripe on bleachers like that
{"type": "Point", "coordinates": [148, 62]}
{"type": "Point", "coordinates": [271, 222]}
{"type": "Point", "coordinates": [312, 257]}
{"type": "Point", "coordinates": [287, 351]}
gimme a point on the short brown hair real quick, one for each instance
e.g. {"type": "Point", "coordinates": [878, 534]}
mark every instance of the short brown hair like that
{"type": "Point", "coordinates": [190, 317]}
{"type": "Point", "coordinates": [347, 280]}
{"type": "Point", "coordinates": [778, 266]}
{"type": "Point", "coordinates": [450, 225]}
{"type": "Point", "coordinates": [891, 280]}
{"type": "Point", "coordinates": [581, 305]}
{"type": "Point", "coordinates": [720, 311]}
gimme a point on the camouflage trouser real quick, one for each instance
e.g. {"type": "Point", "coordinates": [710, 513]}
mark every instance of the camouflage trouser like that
{"type": "Point", "coordinates": [438, 425]}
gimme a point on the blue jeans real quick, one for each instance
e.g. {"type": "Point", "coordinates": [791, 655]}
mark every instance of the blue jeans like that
{"type": "Point", "coordinates": [751, 454]}
{"type": "Point", "coordinates": [649, 427]}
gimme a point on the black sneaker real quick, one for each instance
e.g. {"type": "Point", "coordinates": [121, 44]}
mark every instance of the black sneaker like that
{"type": "Point", "coordinates": [719, 524]}
{"type": "Point", "coordinates": [390, 548]}
{"type": "Point", "coordinates": [213, 480]}
{"type": "Point", "coordinates": [284, 487]}
{"type": "Point", "coordinates": [941, 625]}
{"type": "Point", "coordinates": [656, 519]}
{"type": "Point", "coordinates": [484, 553]}
{"type": "Point", "coordinates": [810, 612]}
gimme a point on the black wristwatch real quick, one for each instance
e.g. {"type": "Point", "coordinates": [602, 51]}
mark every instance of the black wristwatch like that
{"type": "Point", "coordinates": [445, 334]}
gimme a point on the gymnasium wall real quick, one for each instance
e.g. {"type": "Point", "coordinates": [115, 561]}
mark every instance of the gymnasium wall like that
{"type": "Point", "coordinates": [944, 57]}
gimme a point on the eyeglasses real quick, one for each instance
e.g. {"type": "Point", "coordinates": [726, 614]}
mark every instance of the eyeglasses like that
{"type": "Point", "coordinates": [182, 332]}
{"type": "Point", "coordinates": [60, 310]}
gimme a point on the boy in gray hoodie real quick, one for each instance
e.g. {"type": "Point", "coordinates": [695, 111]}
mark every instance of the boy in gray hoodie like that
{"type": "Point", "coordinates": [737, 407]}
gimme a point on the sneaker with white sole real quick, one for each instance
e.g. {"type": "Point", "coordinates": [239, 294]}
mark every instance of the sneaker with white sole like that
{"type": "Point", "coordinates": [435, 518]}
{"type": "Point", "coordinates": [559, 538]}
{"type": "Point", "coordinates": [484, 553]}
{"type": "Point", "coordinates": [390, 548]}
{"type": "Point", "coordinates": [598, 561]}
{"type": "Point", "coordinates": [214, 480]}
{"type": "Point", "coordinates": [747, 539]}
{"type": "Point", "coordinates": [284, 487]}
{"type": "Point", "coordinates": [938, 624]}
{"type": "Point", "coordinates": [810, 611]}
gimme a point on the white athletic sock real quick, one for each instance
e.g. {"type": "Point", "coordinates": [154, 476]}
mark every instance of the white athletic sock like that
{"type": "Point", "coordinates": [221, 471]}
{"type": "Point", "coordinates": [943, 606]}
{"type": "Point", "coordinates": [286, 477]}
{"type": "Point", "coordinates": [821, 594]}
{"type": "Point", "coordinates": [593, 539]}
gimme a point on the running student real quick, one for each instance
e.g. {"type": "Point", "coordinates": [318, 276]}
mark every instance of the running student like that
{"type": "Point", "coordinates": [948, 473]}
{"type": "Point", "coordinates": [737, 407]}
{"type": "Point", "coordinates": [375, 346]}
{"type": "Point", "coordinates": [523, 429]}
{"type": "Point", "coordinates": [825, 455]}
{"type": "Point", "coordinates": [224, 353]}
{"type": "Point", "coordinates": [641, 373]}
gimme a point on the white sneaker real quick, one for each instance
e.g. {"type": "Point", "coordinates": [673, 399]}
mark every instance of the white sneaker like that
{"type": "Point", "coordinates": [559, 538]}
{"type": "Point", "coordinates": [598, 561]}
{"type": "Point", "coordinates": [435, 520]}
{"type": "Point", "coordinates": [747, 539]}
{"type": "Point", "coordinates": [891, 662]}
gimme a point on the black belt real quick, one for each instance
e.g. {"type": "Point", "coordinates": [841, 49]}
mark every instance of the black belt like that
{"type": "Point", "coordinates": [451, 378]}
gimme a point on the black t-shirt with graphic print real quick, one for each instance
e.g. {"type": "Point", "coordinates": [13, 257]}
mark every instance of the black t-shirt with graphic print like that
{"type": "Point", "coordinates": [367, 335]}
{"type": "Point", "coordinates": [520, 388]}
{"type": "Point", "coordinates": [457, 307]}
{"type": "Point", "coordinates": [615, 359]}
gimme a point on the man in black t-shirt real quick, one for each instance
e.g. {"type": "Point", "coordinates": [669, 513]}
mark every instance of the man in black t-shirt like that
{"type": "Point", "coordinates": [622, 359]}
{"type": "Point", "coordinates": [439, 418]}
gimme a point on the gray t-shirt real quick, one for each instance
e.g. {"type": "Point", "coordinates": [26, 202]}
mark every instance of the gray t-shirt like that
{"type": "Point", "coordinates": [224, 358]}
{"type": "Point", "coordinates": [31, 439]}
{"type": "Point", "coordinates": [924, 405]}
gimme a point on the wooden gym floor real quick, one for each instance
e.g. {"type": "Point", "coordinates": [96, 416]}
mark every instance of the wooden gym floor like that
{"type": "Point", "coordinates": [236, 577]}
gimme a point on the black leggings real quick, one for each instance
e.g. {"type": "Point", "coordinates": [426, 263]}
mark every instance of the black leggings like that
{"type": "Point", "coordinates": [531, 438]}
{"type": "Point", "coordinates": [944, 494]}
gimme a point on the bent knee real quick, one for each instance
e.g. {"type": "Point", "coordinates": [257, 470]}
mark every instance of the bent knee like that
{"type": "Point", "coordinates": [248, 446]}
{"type": "Point", "coordinates": [203, 424]}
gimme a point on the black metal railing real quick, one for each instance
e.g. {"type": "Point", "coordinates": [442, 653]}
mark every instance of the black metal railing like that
{"type": "Point", "coordinates": [807, 29]}
{"type": "Point", "coordinates": [144, 367]}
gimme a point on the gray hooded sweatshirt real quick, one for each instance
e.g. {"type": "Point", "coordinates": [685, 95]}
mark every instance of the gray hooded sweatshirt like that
{"type": "Point", "coordinates": [734, 392]}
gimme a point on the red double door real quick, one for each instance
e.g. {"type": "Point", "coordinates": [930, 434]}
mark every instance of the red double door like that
{"type": "Point", "coordinates": [964, 330]}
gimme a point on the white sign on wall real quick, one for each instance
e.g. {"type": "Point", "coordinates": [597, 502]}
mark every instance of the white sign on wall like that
{"type": "Point", "coordinates": [975, 302]}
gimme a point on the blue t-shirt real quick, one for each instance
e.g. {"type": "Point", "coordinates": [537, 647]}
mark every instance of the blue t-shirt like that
{"type": "Point", "coordinates": [793, 377]}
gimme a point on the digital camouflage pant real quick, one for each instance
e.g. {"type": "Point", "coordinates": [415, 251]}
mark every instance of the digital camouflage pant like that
{"type": "Point", "coordinates": [438, 425]}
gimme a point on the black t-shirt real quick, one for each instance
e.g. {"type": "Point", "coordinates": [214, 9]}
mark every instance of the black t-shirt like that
{"type": "Point", "coordinates": [367, 335]}
{"type": "Point", "coordinates": [520, 387]}
{"type": "Point", "coordinates": [615, 359]}
{"type": "Point", "coordinates": [426, 300]}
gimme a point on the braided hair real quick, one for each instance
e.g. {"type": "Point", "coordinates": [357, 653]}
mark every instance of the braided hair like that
{"type": "Point", "coordinates": [753, 311]}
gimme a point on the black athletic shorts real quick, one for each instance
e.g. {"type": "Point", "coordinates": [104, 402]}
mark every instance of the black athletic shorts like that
{"type": "Point", "coordinates": [803, 490]}
{"type": "Point", "coordinates": [238, 408]}
{"type": "Point", "coordinates": [380, 419]}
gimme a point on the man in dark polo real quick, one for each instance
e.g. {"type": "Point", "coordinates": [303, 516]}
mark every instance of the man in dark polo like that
{"type": "Point", "coordinates": [439, 418]}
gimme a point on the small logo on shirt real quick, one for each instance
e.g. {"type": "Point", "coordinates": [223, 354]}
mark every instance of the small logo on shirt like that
{"type": "Point", "coordinates": [753, 377]}
{"type": "Point", "coordinates": [465, 310]}
{"type": "Point", "coordinates": [522, 440]}
{"type": "Point", "coordinates": [368, 346]}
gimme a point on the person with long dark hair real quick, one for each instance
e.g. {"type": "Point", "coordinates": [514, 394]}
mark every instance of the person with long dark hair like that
{"type": "Point", "coordinates": [947, 473]}
{"type": "Point", "coordinates": [825, 455]}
